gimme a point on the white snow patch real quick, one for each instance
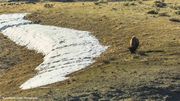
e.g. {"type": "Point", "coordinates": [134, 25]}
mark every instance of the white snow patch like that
{"type": "Point", "coordinates": [66, 50]}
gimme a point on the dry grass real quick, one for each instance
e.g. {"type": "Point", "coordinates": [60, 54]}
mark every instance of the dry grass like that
{"type": "Point", "coordinates": [156, 65]}
{"type": "Point", "coordinates": [21, 8]}
{"type": "Point", "coordinates": [19, 63]}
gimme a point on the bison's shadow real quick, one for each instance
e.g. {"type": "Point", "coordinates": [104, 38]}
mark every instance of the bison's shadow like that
{"type": "Point", "coordinates": [145, 53]}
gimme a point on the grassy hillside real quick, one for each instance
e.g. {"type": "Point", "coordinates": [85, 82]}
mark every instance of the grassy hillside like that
{"type": "Point", "coordinates": [153, 73]}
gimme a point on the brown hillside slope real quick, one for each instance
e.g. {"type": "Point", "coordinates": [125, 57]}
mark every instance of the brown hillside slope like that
{"type": "Point", "coordinates": [152, 74]}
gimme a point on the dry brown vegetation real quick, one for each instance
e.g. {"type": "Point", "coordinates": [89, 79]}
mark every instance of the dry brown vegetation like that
{"type": "Point", "coordinates": [151, 74]}
{"type": "Point", "coordinates": [17, 65]}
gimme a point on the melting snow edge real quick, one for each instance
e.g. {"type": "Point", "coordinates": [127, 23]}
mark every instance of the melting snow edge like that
{"type": "Point", "coordinates": [66, 50]}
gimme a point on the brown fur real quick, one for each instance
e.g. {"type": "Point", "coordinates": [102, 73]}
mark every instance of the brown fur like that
{"type": "Point", "coordinates": [134, 43]}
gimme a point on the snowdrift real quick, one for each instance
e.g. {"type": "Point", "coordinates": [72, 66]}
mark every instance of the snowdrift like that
{"type": "Point", "coordinates": [65, 50]}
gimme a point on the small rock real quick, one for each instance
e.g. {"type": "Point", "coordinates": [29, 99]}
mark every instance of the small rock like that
{"type": "Point", "coordinates": [159, 3]}
{"type": "Point", "coordinates": [174, 19]}
{"type": "Point", "coordinates": [152, 12]}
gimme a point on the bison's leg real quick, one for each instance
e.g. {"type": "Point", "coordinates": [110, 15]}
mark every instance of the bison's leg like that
{"type": "Point", "coordinates": [132, 50]}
